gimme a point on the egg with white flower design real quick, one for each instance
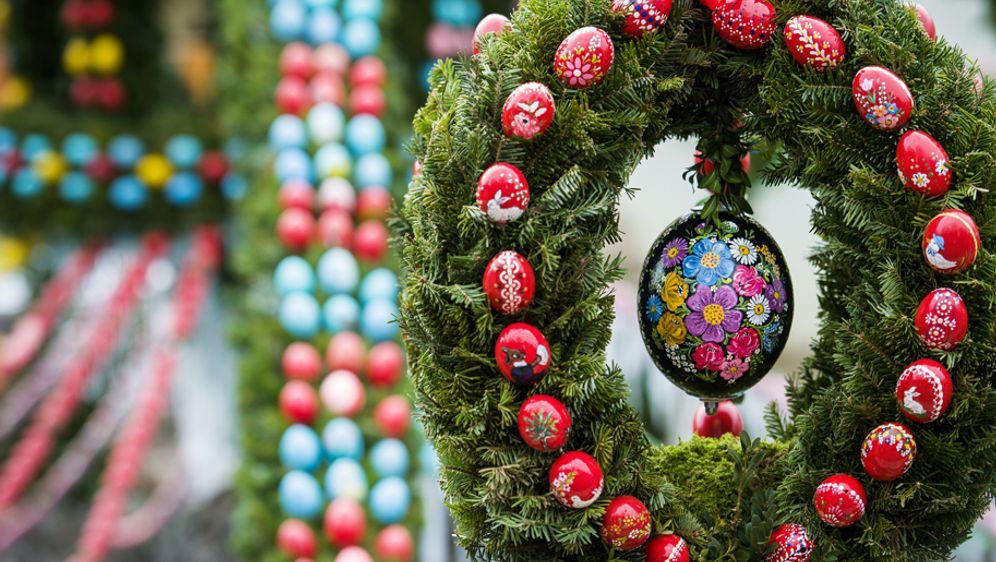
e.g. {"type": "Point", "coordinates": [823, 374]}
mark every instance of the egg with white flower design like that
{"type": "Point", "coordinates": [715, 304]}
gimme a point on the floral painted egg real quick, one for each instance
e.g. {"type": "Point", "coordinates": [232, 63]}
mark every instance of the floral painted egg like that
{"type": "Point", "coordinates": [882, 98]}
{"type": "Point", "coordinates": [642, 16]}
{"type": "Point", "coordinates": [792, 544]}
{"type": "Point", "coordinates": [840, 500]}
{"type": "Point", "coordinates": [924, 391]}
{"type": "Point", "coordinates": [626, 524]}
{"type": "Point", "coordinates": [942, 320]}
{"type": "Point", "coordinates": [491, 23]}
{"type": "Point", "coordinates": [926, 20]}
{"type": "Point", "coordinates": [951, 242]}
{"type": "Point", "coordinates": [715, 304]}
{"type": "Point", "coordinates": [745, 24]}
{"type": "Point", "coordinates": [544, 423]}
{"type": "Point", "coordinates": [888, 451]}
{"type": "Point", "coordinates": [522, 353]}
{"type": "Point", "coordinates": [576, 480]}
{"type": "Point", "coordinates": [502, 192]}
{"type": "Point", "coordinates": [814, 43]}
{"type": "Point", "coordinates": [528, 111]}
{"type": "Point", "coordinates": [923, 164]}
{"type": "Point", "coordinates": [509, 282]}
{"type": "Point", "coordinates": [668, 548]}
{"type": "Point", "coordinates": [584, 58]}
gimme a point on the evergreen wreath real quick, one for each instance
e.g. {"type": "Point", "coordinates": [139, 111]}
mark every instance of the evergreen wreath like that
{"type": "Point", "coordinates": [724, 497]}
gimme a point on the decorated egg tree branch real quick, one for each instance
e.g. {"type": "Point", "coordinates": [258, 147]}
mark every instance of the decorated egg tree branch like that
{"type": "Point", "coordinates": [507, 311]}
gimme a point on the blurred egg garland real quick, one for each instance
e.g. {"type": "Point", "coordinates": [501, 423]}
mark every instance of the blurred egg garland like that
{"type": "Point", "coordinates": [328, 144]}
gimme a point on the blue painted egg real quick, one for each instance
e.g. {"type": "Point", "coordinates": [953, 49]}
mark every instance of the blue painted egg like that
{"type": "Point", "coordinates": [33, 145]}
{"type": "Point", "coordinates": [300, 495]}
{"type": "Point", "coordinates": [338, 271]}
{"type": "Point", "coordinates": [79, 149]}
{"type": "Point", "coordinates": [300, 448]}
{"type": "Point", "coordinates": [379, 320]}
{"type": "Point", "coordinates": [373, 170]}
{"type": "Point", "coordinates": [300, 315]}
{"type": "Point", "coordinates": [8, 140]}
{"type": "Point", "coordinates": [343, 439]}
{"type": "Point", "coordinates": [323, 26]}
{"type": "Point", "coordinates": [381, 283]}
{"type": "Point", "coordinates": [76, 187]}
{"type": "Point", "coordinates": [127, 193]}
{"type": "Point", "coordinates": [184, 189]}
{"type": "Point", "coordinates": [125, 150]}
{"type": "Point", "coordinates": [293, 274]}
{"type": "Point", "coordinates": [321, 3]}
{"type": "Point", "coordinates": [292, 163]}
{"type": "Point", "coordinates": [325, 123]}
{"type": "Point", "coordinates": [288, 20]}
{"type": "Point", "coordinates": [389, 457]}
{"type": "Point", "coordinates": [390, 500]}
{"type": "Point", "coordinates": [361, 37]}
{"type": "Point", "coordinates": [341, 313]}
{"type": "Point", "coordinates": [234, 186]}
{"type": "Point", "coordinates": [333, 160]}
{"type": "Point", "coordinates": [26, 184]}
{"type": "Point", "coordinates": [345, 479]}
{"type": "Point", "coordinates": [287, 131]}
{"type": "Point", "coordinates": [365, 134]}
{"type": "Point", "coordinates": [184, 151]}
{"type": "Point", "coordinates": [370, 9]}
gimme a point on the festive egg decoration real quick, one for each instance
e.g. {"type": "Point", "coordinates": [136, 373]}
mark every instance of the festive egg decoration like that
{"type": "Point", "coordinates": [346, 350]}
{"type": "Point", "coordinates": [923, 164]}
{"type": "Point", "coordinates": [522, 353]}
{"type": "Point", "coordinates": [299, 315]}
{"type": "Point", "coordinates": [584, 58]}
{"type": "Point", "coordinates": [296, 538]}
{"type": "Point", "coordinates": [626, 524]}
{"type": "Point", "coordinates": [389, 457]}
{"type": "Point", "coordinates": [888, 451]}
{"type": "Point", "coordinates": [951, 242]}
{"type": "Point", "coordinates": [924, 391]}
{"type": "Point", "coordinates": [338, 271]}
{"type": "Point", "coordinates": [544, 423]}
{"type": "Point", "coordinates": [814, 43]}
{"type": "Point", "coordinates": [491, 23]}
{"type": "Point", "coordinates": [385, 364]}
{"type": "Point", "coordinates": [373, 203]}
{"type": "Point", "coordinates": [642, 16]}
{"type": "Point", "coordinates": [293, 273]}
{"type": "Point", "coordinates": [345, 478]}
{"type": "Point", "coordinates": [295, 227]}
{"type": "Point", "coordinates": [715, 304]}
{"type": "Point", "coordinates": [840, 500]}
{"type": "Point", "coordinates": [393, 416]}
{"type": "Point", "coordinates": [301, 361]}
{"type": "Point", "coordinates": [335, 229]}
{"type": "Point", "coordinates": [503, 193]}
{"type": "Point", "coordinates": [509, 282]}
{"type": "Point", "coordinates": [394, 544]}
{"type": "Point", "coordinates": [345, 523]}
{"type": "Point", "coordinates": [576, 480]}
{"type": "Point", "coordinates": [390, 500]}
{"type": "Point", "coordinates": [299, 402]}
{"type": "Point", "coordinates": [745, 24]}
{"type": "Point", "coordinates": [381, 283]}
{"type": "Point", "coordinates": [942, 319]}
{"type": "Point", "coordinates": [882, 98]}
{"type": "Point", "coordinates": [299, 448]}
{"type": "Point", "coordinates": [342, 438]}
{"type": "Point", "coordinates": [378, 321]}
{"type": "Point", "coordinates": [370, 241]}
{"type": "Point", "coordinates": [300, 495]}
{"type": "Point", "coordinates": [792, 544]}
{"type": "Point", "coordinates": [727, 419]}
{"type": "Point", "coordinates": [668, 548]}
{"type": "Point", "coordinates": [528, 111]}
{"type": "Point", "coordinates": [926, 20]}
{"type": "Point", "coordinates": [342, 393]}
{"type": "Point", "coordinates": [353, 554]}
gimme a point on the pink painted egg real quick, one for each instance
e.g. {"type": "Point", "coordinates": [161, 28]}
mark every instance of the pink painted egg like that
{"type": "Point", "coordinates": [584, 58]}
{"type": "Point", "coordinates": [882, 98]}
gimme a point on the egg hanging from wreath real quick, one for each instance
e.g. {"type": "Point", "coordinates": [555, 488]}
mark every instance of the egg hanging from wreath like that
{"type": "Point", "coordinates": [715, 304]}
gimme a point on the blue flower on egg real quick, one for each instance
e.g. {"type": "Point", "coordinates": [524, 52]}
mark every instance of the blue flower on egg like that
{"type": "Point", "coordinates": [655, 308]}
{"type": "Point", "coordinates": [709, 262]}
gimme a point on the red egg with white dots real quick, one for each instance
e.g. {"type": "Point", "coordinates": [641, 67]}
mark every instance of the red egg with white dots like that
{"type": "Point", "coordinates": [745, 24]}
{"type": "Point", "coordinates": [491, 23]}
{"type": "Point", "coordinates": [584, 58]}
{"type": "Point", "coordinates": [888, 452]}
{"type": "Point", "coordinates": [924, 391]}
{"type": "Point", "coordinates": [626, 524]}
{"type": "Point", "coordinates": [668, 548]}
{"type": "Point", "coordinates": [642, 16]}
{"type": "Point", "coordinates": [942, 319]}
{"type": "Point", "coordinates": [503, 193]}
{"type": "Point", "coordinates": [792, 544]}
{"type": "Point", "coordinates": [840, 500]}
{"type": "Point", "coordinates": [509, 282]}
{"type": "Point", "coordinates": [528, 111]}
{"type": "Point", "coordinates": [951, 242]}
{"type": "Point", "coordinates": [923, 164]}
{"type": "Point", "coordinates": [544, 423]}
{"type": "Point", "coordinates": [882, 98]}
{"type": "Point", "coordinates": [814, 43]}
{"type": "Point", "coordinates": [576, 480]}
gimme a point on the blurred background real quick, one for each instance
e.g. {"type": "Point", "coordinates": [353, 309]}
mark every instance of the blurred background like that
{"type": "Point", "coordinates": [224, 417]}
